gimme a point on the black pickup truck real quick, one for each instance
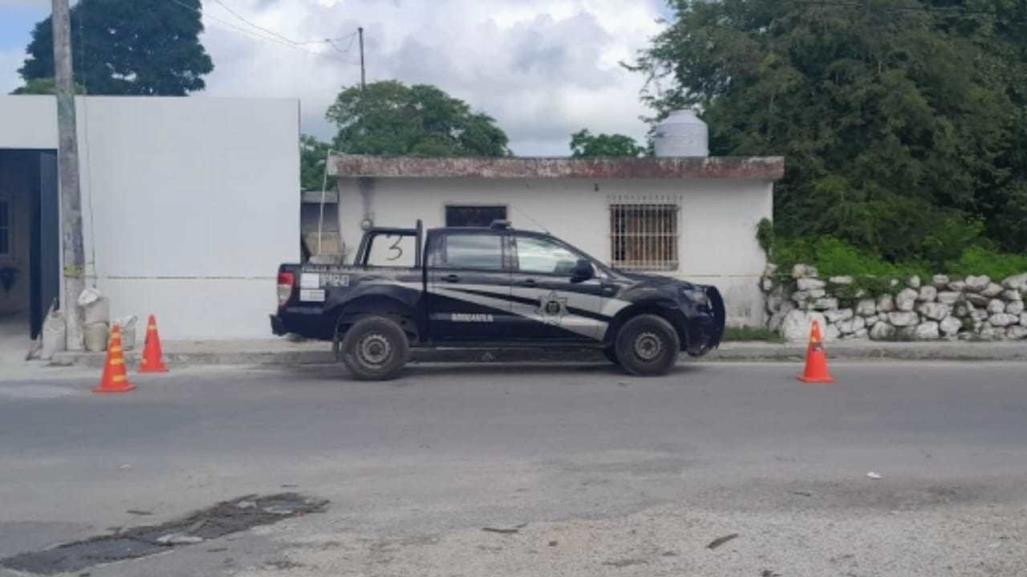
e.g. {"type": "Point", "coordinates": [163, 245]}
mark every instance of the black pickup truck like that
{"type": "Point", "coordinates": [492, 287]}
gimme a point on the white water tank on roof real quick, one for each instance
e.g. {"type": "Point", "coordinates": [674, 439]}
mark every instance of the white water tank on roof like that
{"type": "Point", "coordinates": [682, 134]}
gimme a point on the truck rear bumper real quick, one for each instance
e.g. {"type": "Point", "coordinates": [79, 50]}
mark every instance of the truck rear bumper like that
{"type": "Point", "coordinates": [277, 326]}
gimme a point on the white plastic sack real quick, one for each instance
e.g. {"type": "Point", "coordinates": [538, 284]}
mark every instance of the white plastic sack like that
{"type": "Point", "coordinates": [95, 336]}
{"type": "Point", "coordinates": [95, 306]}
{"type": "Point", "coordinates": [128, 331]}
{"type": "Point", "coordinates": [55, 335]}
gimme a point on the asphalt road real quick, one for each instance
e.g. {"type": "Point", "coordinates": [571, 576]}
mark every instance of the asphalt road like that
{"type": "Point", "coordinates": [585, 471]}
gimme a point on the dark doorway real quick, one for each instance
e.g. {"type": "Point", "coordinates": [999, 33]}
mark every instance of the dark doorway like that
{"type": "Point", "coordinates": [30, 231]}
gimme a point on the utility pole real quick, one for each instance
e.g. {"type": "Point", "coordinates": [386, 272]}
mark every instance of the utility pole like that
{"type": "Point", "coordinates": [67, 165]}
{"type": "Point", "coordinates": [363, 73]}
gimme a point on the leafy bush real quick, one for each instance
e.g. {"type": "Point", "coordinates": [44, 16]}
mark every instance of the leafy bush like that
{"type": "Point", "coordinates": [873, 275]}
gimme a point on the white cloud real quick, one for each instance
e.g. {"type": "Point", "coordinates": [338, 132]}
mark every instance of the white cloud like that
{"type": "Point", "coordinates": [542, 68]}
{"type": "Point", "coordinates": [10, 62]}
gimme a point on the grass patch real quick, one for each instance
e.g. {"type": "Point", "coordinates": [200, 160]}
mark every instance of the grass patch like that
{"type": "Point", "coordinates": [735, 334]}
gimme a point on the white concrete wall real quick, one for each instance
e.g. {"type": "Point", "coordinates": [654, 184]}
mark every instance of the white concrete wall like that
{"type": "Point", "coordinates": [189, 204]}
{"type": "Point", "coordinates": [717, 223]}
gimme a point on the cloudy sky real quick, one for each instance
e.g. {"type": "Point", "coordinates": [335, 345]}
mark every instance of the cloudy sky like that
{"type": "Point", "coordinates": [542, 68]}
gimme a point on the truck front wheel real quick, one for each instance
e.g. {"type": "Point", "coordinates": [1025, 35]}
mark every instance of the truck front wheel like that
{"type": "Point", "coordinates": [375, 349]}
{"type": "Point", "coordinates": [647, 345]}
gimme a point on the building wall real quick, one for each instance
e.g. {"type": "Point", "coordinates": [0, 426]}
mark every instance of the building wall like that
{"type": "Point", "coordinates": [189, 204]}
{"type": "Point", "coordinates": [717, 223]}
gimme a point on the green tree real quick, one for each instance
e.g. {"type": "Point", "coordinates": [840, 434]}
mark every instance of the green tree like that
{"type": "Point", "coordinates": [313, 158]}
{"type": "Point", "coordinates": [903, 121]}
{"type": "Point", "coordinates": [128, 47]}
{"type": "Point", "coordinates": [44, 86]}
{"type": "Point", "coordinates": [584, 144]}
{"type": "Point", "coordinates": [392, 119]}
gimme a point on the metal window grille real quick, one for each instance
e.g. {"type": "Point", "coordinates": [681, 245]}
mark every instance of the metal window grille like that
{"type": "Point", "coordinates": [644, 234]}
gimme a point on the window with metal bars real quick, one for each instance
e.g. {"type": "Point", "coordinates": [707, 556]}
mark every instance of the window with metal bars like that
{"type": "Point", "coordinates": [644, 236]}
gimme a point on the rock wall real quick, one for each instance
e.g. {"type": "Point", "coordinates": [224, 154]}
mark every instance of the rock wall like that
{"type": "Point", "coordinates": [973, 308]}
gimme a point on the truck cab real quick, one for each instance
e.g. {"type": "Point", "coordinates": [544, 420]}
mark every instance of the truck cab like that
{"type": "Point", "coordinates": [491, 287]}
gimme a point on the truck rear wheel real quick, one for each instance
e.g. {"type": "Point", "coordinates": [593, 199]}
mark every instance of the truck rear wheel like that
{"type": "Point", "coordinates": [375, 349]}
{"type": "Point", "coordinates": [647, 345]}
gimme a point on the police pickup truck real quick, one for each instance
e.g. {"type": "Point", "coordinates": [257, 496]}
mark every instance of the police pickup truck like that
{"type": "Point", "coordinates": [492, 287]}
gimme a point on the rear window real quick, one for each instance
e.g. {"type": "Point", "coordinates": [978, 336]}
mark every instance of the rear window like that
{"type": "Point", "coordinates": [392, 250]}
{"type": "Point", "coordinates": [470, 251]}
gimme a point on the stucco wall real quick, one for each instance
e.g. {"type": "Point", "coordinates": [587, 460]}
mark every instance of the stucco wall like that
{"type": "Point", "coordinates": [717, 243]}
{"type": "Point", "coordinates": [189, 204]}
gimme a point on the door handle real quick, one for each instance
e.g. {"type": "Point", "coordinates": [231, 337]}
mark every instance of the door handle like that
{"type": "Point", "coordinates": [451, 278]}
{"type": "Point", "coordinates": [529, 282]}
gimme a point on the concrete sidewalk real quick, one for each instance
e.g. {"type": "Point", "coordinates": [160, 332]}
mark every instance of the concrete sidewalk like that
{"type": "Point", "coordinates": [283, 352]}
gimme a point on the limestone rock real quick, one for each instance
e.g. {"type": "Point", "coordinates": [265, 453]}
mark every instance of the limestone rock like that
{"type": "Point", "coordinates": [767, 284]}
{"type": "Point", "coordinates": [882, 331]}
{"type": "Point", "coordinates": [842, 280]}
{"type": "Point", "coordinates": [957, 286]}
{"type": "Point", "coordinates": [940, 281]}
{"type": "Point", "coordinates": [927, 294]}
{"type": "Point", "coordinates": [1014, 307]}
{"type": "Point", "coordinates": [866, 307]}
{"type": "Point", "coordinates": [803, 271]}
{"type": "Point", "coordinates": [1023, 319]}
{"type": "Point", "coordinates": [903, 319]}
{"type": "Point", "coordinates": [905, 300]}
{"type": "Point", "coordinates": [796, 324]}
{"type": "Point", "coordinates": [776, 319]}
{"type": "Point", "coordinates": [1016, 282]}
{"type": "Point", "coordinates": [927, 331]}
{"type": "Point", "coordinates": [1016, 333]}
{"type": "Point", "coordinates": [978, 300]}
{"type": "Point", "coordinates": [885, 303]}
{"type": "Point", "coordinates": [1011, 295]}
{"type": "Point", "coordinates": [992, 290]}
{"type": "Point", "coordinates": [831, 333]}
{"type": "Point", "coordinates": [990, 333]}
{"type": "Point", "coordinates": [977, 283]}
{"type": "Point", "coordinates": [948, 297]}
{"type": "Point", "coordinates": [851, 325]}
{"type": "Point", "coordinates": [964, 309]}
{"type": "Point", "coordinates": [860, 334]}
{"type": "Point", "coordinates": [800, 296]}
{"type": "Point", "coordinates": [809, 284]}
{"type": "Point", "coordinates": [1003, 320]}
{"type": "Point", "coordinates": [934, 311]}
{"type": "Point", "coordinates": [979, 315]}
{"type": "Point", "coordinates": [871, 321]}
{"type": "Point", "coordinates": [825, 304]}
{"type": "Point", "coordinates": [834, 316]}
{"type": "Point", "coordinates": [913, 282]}
{"type": "Point", "coordinates": [950, 326]}
{"type": "Point", "coordinates": [996, 306]}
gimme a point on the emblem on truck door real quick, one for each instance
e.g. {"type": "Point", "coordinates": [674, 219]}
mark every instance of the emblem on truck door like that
{"type": "Point", "coordinates": [552, 308]}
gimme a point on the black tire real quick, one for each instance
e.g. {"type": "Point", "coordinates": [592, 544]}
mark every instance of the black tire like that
{"type": "Point", "coordinates": [611, 355]}
{"type": "Point", "coordinates": [375, 349]}
{"type": "Point", "coordinates": [647, 345]}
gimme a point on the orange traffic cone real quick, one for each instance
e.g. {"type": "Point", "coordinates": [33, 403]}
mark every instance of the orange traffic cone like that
{"type": "Point", "coordinates": [153, 356]}
{"type": "Point", "coordinates": [816, 359]}
{"type": "Point", "coordinates": [115, 377]}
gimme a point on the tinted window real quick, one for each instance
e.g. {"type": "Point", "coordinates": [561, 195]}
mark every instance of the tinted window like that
{"type": "Point", "coordinates": [473, 251]}
{"type": "Point", "coordinates": [543, 256]}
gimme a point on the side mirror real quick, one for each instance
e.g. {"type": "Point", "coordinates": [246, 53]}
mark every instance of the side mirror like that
{"type": "Point", "coordinates": [582, 271]}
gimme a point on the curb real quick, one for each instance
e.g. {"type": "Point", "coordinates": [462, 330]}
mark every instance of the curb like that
{"type": "Point", "coordinates": [735, 351]}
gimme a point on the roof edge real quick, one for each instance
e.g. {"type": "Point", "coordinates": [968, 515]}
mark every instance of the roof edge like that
{"type": "Point", "coordinates": [716, 167]}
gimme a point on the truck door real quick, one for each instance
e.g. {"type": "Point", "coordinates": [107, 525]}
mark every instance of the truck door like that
{"type": "Point", "coordinates": [468, 287]}
{"type": "Point", "coordinates": [547, 302]}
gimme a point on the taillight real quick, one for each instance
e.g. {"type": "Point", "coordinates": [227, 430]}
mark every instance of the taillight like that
{"type": "Point", "coordinates": [286, 280]}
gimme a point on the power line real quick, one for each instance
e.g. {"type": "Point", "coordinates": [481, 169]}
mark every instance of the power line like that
{"type": "Point", "coordinates": [263, 34]}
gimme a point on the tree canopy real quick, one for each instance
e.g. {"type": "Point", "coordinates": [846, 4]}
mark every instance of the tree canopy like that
{"type": "Point", "coordinates": [904, 122]}
{"type": "Point", "coordinates": [313, 159]}
{"type": "Point", "coordinates": [127, 47]}
{"type": "Point", "coordinates": [392, 119]}
{"type": "Point", "coordinates": [584, 144]}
